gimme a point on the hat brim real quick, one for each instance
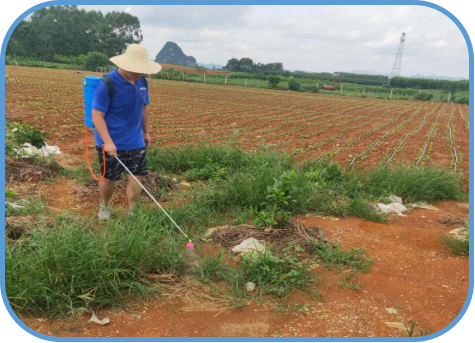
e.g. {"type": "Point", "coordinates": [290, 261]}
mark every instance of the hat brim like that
{"type": "Point", "coordinates": [147, 67]}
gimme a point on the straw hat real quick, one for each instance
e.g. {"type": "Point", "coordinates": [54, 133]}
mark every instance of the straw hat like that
{"type": "Point", "coordinates": [135, 59]}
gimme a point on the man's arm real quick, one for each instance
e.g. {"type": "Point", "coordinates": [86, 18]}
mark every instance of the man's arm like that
{"type": "Point", "coordinates": [146, 125]}
{"type": "Point", "coordinates": [101, 127]}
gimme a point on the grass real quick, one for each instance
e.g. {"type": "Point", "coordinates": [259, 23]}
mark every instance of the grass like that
{"type": "Point", "coordinates": [40, 64]}
{"type": "Point", "coordinates": [82, 174]}
{"type": "Point", "coordinates": [26, 207]}
{"type": "Point", "coordinates": [410, 330]}
{"type": "Point", "coordinates": [427, 183]}
{"type": "Point", "coordinates": [81, 265]}
{"type": "Point", "coordinates": [211, 268]}
{"type": "Point", "coordinates": [334, 257]}
{"type": "Point", "coordinates": [275, 275]}
{"type": "Point", "coordinates": [238, 182]}
{"type": "Point", "coordinates": [203, 162]}
{"type": "Point", "coordinates": [458, 247]}
{"type": "Point", "coordinates": [57, 272]}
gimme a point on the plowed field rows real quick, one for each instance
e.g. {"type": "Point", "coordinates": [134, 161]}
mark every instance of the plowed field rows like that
{"type": "Point", "coordinates": [351, 131]}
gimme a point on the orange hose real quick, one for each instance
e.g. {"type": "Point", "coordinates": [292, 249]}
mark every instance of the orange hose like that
{"type": "Point", "coordinates": [87, 157]}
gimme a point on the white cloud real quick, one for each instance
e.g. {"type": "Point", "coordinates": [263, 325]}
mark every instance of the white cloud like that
{"type": "Point", "coordinates": [314, 38]}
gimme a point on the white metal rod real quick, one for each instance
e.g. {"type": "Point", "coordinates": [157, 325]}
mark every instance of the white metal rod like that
{"type": "Point", "coordinates": [151, 196]}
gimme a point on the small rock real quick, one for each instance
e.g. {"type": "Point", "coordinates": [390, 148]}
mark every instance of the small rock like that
{"type": "Point", "coordinates": [449, 219]}
{"type": "Point", "coordinates": [391, 310]}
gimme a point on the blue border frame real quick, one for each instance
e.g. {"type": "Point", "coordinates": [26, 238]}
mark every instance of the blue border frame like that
{"type": "Point", "coordinates": [241, 339]}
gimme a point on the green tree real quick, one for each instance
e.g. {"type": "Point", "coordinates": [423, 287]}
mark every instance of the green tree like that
{"type": "Point", "coordinates": [232, 65]}
{"type": "Point", "coordinates": [246, 65]}
{"type": "Point", "coordinates": [69, 31]}
{"type": "Point", "coordinates": [16, 45]}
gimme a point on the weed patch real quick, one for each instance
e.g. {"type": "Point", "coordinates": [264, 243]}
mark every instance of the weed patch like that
{"type": "Point", "coordinates": [56, 272]}
{"type": "Point", "coordinates": [458, 247]}
{"type": "Point", "coordinates": [334, 257]}
{"type": "Point", "coordinates": [275, 275]}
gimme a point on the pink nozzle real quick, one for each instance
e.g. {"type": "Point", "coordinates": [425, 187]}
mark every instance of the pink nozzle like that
{"type": "Point", "coordinates": [190, 245]}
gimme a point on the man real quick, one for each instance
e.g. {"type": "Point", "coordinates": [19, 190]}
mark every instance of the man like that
{"type": "Point", "coordinates": [121, 124]}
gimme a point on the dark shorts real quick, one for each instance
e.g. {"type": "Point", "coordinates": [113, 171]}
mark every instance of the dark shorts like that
{"type": "Point", "coordinates": [135, 160]}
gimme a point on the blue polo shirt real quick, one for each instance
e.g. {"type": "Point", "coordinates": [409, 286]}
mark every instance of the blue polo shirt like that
{"type": "Point", "coordinates": [123, 112]}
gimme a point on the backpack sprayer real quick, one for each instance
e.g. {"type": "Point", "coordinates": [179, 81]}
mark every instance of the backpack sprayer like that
{"type": "Point", "coordinates": [89, 86]}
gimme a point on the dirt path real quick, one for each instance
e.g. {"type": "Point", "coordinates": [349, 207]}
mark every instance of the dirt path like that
{"type": "Point", "coordinates": [413, 273]}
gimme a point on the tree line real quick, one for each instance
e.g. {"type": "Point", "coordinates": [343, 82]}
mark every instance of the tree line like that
{"type": "Point", "coordinates": [69, 31]}
{"type": "Point", "coordinates": [247, 65]}
{"type": "Point", "coordinates": [407, 82]}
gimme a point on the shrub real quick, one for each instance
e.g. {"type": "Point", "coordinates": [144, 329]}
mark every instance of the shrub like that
{"type": "Point", "coordinates": [273, 80]}
{"type": "Point", "coordinates": [294, 85]}
{"type": "Point", "coordinates": [95, 59]}
{"type": "Point", "coordinates": [18, 134]}
{"type": "Point", "coordinates": [279, 202]}
{"type": "Point", "coordinates": [461, 98]}
{"type": "Point", "coordinates": [423, 96]}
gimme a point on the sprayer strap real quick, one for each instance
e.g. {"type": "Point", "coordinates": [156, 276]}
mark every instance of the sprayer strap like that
{"type": "Point", "coordinates": [110, 85]}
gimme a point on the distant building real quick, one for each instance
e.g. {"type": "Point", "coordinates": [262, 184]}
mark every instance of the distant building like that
{"type": "Point", "coordinates": [336, 74]}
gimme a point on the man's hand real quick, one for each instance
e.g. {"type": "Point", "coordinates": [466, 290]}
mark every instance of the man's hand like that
{"type": "Point", "coordinates": [146, 138]}
{"type": "Point", "coordinates": [110, 148]}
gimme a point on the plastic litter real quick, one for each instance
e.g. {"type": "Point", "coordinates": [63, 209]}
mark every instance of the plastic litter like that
{"type": "Point", "coordinates": [394, 208]}
{"type": "Point", "coordinates": [423, 205]}
{"type": "Point", "coordinates": [96, 320]}
{"type": "Point", "coordinates": [250, 286]}
{"type": "Point", "coordinates": [46, 150]}
{"type": "Point", "coordinates": [13, 205]}
{"type": "Point", "coordinates": [394, 199]}
{"type": "Point", "coordinates": [249, 245]}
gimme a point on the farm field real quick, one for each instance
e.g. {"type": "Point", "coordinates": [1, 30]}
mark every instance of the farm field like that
{"type": "Point", "coordinates": [351, 131]}
{"type": "Point", "coordinates": [392, 270]}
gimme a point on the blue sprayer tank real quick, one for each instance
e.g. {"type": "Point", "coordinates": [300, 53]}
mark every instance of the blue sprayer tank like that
{"type": "Point", "coordinates": [89, 85]}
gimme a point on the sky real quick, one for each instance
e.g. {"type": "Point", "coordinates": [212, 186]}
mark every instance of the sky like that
{"type": "Point", "coordinates": [311, 38]}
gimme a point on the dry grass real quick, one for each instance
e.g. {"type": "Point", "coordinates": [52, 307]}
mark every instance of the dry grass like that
{"type": "Point", "coordinates": [279, 237]}
{"type": "Point", "coordinates": [27, 169]}
{"type": "Point", "coordinates": [195, 295]}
